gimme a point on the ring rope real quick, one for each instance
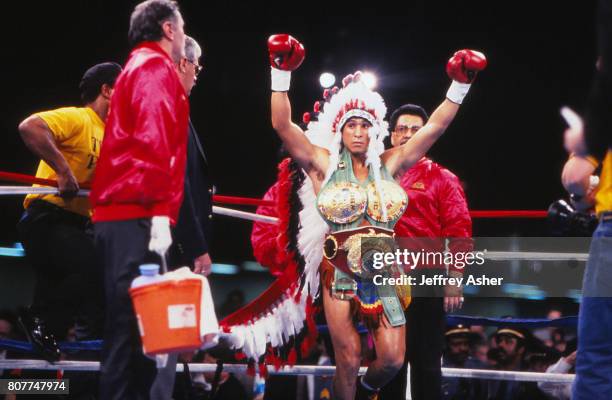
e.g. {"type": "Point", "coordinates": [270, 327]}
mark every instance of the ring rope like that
{"type": "Point", "coordinates": [534, 256]}
{"type": "Point", "coordinates": [21, 190]}
{"type": "Point", "coordinates": [23, 178]}
{"type": "Point", "coordinates": [565, 322]}
{"type": "Point", "coordinates": [311, 370]}
{"type": "Point", "coordinates": [244, 215]}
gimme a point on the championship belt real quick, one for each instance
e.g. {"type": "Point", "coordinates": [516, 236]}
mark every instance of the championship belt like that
{"type": "Point", "coordinates": [353, 251]}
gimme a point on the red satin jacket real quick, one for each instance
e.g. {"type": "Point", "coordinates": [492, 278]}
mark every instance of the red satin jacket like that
{"type": "Point", "coordinates": [436, 207]}
{"type": "Point", "coordinates": [141, 169]}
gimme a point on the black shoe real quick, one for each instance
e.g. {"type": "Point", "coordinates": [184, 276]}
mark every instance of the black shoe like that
{"type": "Point", "coordinates": [42, 342]}
{"type": "Point", "coordinates": [363, 393]}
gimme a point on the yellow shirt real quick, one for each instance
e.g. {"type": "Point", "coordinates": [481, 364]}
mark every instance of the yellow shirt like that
{"type": "Point", "coordinates": [78, 134]}
{"type": "Point", "coordinates": [603, 197]}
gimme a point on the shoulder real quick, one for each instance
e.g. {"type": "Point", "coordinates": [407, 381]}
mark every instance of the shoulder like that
{"type": "Point", "coordinates": [422, 168]}
{"type": "Point", "coordinates": [67, 114]}
{"type": "Point", "coordinates": [70, 111]}
{"type": "Point", "coordinates": [444, 173]}
{"type": "Point", "coordinates": [145, 62]}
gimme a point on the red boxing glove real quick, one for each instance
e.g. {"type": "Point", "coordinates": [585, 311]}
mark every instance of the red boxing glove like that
{"type": "Point", "coordinates": [286, 52]}
{"type": "Point", "coordinates": [465, 64]}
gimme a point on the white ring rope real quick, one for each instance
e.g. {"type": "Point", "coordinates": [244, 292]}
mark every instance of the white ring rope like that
{"type": "Point", "coordinates": [20, 190]}
{"type": "Point", "coordinates": [534, 256]}
{"type": "Point", "coordinates": [244, 215]}
{"type": "Point", "coordinates": [299, 370]}
{"type": "Point", "coordinates": [517, 376]}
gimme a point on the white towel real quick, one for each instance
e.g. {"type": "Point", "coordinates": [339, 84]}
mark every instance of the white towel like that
{"type": "Point", "coordinates": [209, 326]}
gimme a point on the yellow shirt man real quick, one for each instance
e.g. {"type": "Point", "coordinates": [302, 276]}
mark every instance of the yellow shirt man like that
{"type": "Point", "coordinates": [78, 134]}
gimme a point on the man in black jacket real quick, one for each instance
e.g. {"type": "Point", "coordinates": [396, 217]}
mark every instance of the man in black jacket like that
{"type": "Point", "coordinates": [193, 229]}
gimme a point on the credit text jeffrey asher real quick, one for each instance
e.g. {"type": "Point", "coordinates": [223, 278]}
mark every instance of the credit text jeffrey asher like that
{"type": "Point", "coordinates": [410, 259]}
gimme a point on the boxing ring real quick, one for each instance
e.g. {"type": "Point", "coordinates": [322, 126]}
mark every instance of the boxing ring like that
{"type": "Point", "coordinates": [311, 369]}
{"type": "Point", "coordinates": [71, 347]}
{"type": "Point", "coordinates": [303, 370]}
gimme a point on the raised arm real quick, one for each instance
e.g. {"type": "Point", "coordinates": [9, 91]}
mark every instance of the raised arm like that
{"type": "Point", "coordinates": [462, 69]}
{"type": "Point", "coordinates": [286, 55]}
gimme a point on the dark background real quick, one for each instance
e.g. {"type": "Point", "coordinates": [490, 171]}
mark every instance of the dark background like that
{"type": "Point", "coordinates": [506, 142]}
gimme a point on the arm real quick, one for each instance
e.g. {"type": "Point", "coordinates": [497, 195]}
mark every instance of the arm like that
{"type": "Point", "coordinates": [462, 69]}
{"type": "Point", "coordinates": [576, 175]}
{"type": "Point", "coordinates": [189, 233]}
{"type": "Point", "coordinates": [153, 107]}
{"type": "Point", "coordinates": [592, 140]}
{"type": "Point", "coordinates": [158, 122]}
{"type": "Point", "coordinates": [455, 217]}
{"type": "Point", "coordinates": [286, 55]}
{"type": "Point", "coordinates": [401, 158]}
{"type": "Point", "coordinates": [40, 140]}
{"type": "Point", "coordinates": [456, 225]}
{"type": "Point", "coordinates": [291, 134]}
{"type": "Point", "coordinates": [563, 366]}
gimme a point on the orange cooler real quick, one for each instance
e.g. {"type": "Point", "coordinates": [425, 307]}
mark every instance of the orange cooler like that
{"type": "Point", "coordinates": [168, 314]}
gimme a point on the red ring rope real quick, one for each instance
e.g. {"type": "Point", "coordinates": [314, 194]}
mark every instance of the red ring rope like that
{"type": "Point", "coordinates": [508, 214]}
{"type": "Point", "coordinates": [246, 201]}
{"type": "Point", "coordinates": [14, 177]}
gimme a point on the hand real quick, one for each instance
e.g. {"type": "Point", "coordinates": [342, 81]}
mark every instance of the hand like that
{"type": "Point", "coordinates": [453, 294]}
{"type": "Point", "coordinates": [161, 239]}
{"type": "Point", "coordinates": [571, 359]}
{"type": "Point", "coordinates": [465, 64]}
{"type": "Point", "coordinates": [573, 137]}
{"type": "Point", "coordinates": [586, 203]}
{"type": "Point", "coordinates": [203, 264]}
{"type": "Point", "coordinates": [453, 299]}
{"type": "Point", "coordinates": [67, 184]}
{"type": "Point", "coordinates": [286, 52]}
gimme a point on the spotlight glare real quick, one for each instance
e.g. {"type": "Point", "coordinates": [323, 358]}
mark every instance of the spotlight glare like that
{"type": "Point", "coordinates": [369, 79]}
{"type": "Point", "coordinates": [327, 79]}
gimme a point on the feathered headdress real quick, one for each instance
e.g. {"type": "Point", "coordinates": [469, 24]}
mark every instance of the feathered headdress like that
{"type": "Point", "coordinates": [355, 99]}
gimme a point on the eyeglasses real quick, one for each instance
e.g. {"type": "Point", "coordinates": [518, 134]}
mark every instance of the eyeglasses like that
{"type": "Point", "coordinates": [198, 68]}
{"type": "Point", "coordinates": [401, 129]}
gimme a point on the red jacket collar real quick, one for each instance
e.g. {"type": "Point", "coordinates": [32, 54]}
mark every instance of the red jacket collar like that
{"type": "Point", "coordinates": [155, 47]}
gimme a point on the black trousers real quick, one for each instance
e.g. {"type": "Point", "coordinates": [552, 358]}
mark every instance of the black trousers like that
{"type": "Point", "coordinates": [425, 327]}
{"type": "Point", "coordinates": [69, 280]}
{"type": "Point", "coordinates": [125, 373]}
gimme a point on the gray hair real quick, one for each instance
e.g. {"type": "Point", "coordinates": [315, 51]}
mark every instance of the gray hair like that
{"type": "Point", "coordinates": [193, 51]}
{"type": "Point", "coordinates": [147, 19]}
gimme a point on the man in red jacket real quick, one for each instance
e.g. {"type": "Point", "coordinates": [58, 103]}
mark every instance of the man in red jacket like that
{"type": "Point", "coordinates": [436, 209]}
{"type": "Point", "coordinates": [138, 186]}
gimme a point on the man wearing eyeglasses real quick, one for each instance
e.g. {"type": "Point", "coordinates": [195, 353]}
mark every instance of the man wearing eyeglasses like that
{"type": "Point", "coordinates": [193, 229]}
{"type": "Point", "coordinates": [436, 209]}
{"type": "Point", "coordinates": [192, 233]}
